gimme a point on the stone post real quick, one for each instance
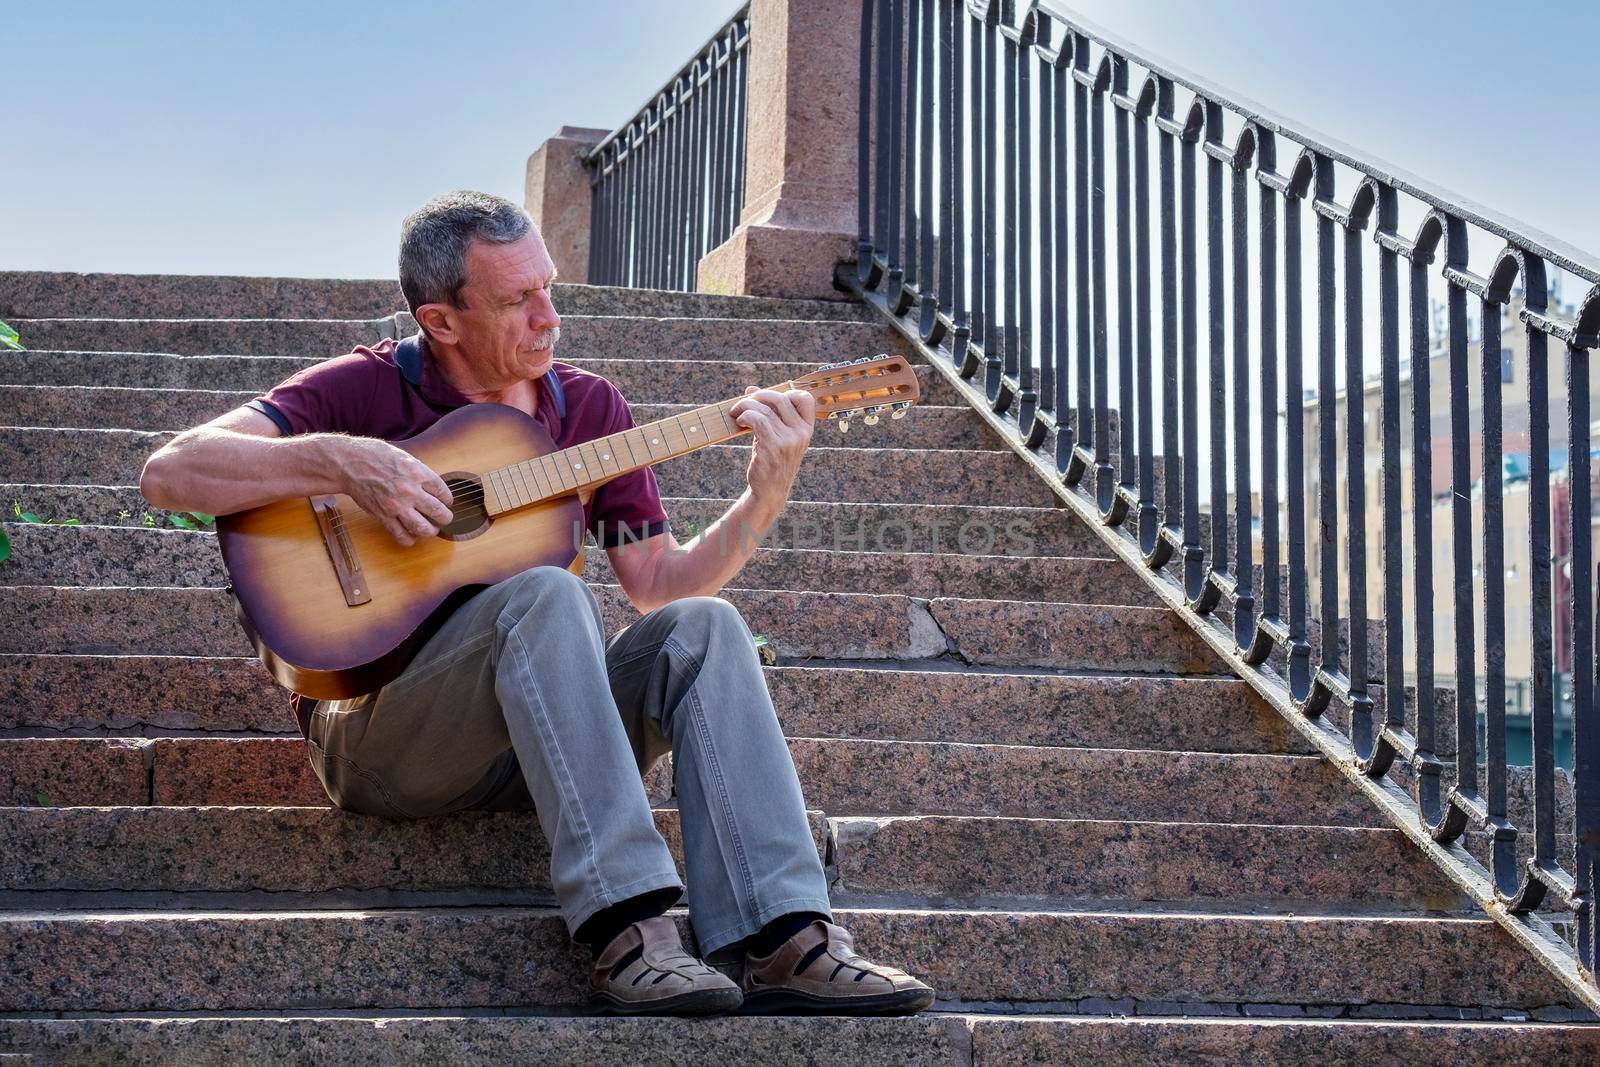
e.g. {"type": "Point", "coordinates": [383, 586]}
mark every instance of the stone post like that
{"type": "Point", "coordinates": [799, 216]}
{"type": "Point", "coordinates": [557, 196]}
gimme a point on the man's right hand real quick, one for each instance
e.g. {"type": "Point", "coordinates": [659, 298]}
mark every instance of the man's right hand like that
{"type": "Point", "coordinates": [397, 489]}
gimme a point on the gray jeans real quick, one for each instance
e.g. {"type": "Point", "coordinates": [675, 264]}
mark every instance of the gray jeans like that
{"type": "Point", "coordinates": [520, 699]}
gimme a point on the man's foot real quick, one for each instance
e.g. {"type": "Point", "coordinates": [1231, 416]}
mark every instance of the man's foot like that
{"type": "Point", "coordinates": [646, 971]}
{"type": "Point", "coordinates": [817, 970]}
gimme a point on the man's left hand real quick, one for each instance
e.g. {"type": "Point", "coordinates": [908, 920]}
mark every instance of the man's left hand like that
{"type": "Point", "coordinates": [781, 424]}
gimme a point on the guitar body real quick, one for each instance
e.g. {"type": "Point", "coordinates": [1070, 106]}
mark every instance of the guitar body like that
{"type": "Point", "coordinates": [292, 575]}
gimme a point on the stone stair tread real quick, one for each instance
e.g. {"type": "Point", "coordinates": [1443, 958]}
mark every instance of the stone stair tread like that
{"type": "Point", "coordinates": [123, 556]}
{"type": "Point", "coordinates": [157, 410]}
{"type": "Point", "coordinates": [44, 456]}
{"type": "Point", "coordinates": [800, 624]}
{"type": "Point", "coordinates": [101, 294]}
{"type": "Point", "coordinates": [925, 859]}
{"type": "Point", "coordinates": [640, 380]}
{"type": "Point", "coordinates": [140, 960]}
{"type": "Point", "coordinates": [841, 776]}
{"type": "Point", "coordinates": [617, 337]}
{"type": "Point", "coordinates": [120, 693]}
{"type": "Point", "coordinates": [1027, 531]}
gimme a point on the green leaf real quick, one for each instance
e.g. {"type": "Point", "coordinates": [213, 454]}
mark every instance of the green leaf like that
{"type": "Point", "coordinates": [181, 522]}
{"type": "Point", "coordinates": [5, 547]}
{"type": "Point", "coordinates": [41, 800]}
{"type": "Point", "coordinates": [149, 519]}
{"type": "Point", "coordinates": [9, 338]}
{"type": "Point", "coordinates": [28, 516]}
{"type": "Point", "coordinates": [72, 522]}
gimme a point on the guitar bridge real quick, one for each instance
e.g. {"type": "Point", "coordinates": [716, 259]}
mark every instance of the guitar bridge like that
{"type": "Point", "coordinates": [346, 564]}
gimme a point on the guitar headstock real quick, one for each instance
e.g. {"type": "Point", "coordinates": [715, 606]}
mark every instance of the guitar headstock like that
{"type": "Point", "coordinates": [870, 385]}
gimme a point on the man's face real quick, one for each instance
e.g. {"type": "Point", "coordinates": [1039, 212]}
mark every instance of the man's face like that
{"type": "Point", "coordinates": [505, 322]}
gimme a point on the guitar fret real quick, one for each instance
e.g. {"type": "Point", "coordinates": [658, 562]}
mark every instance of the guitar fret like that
{"type": "Point", "coordinates": [539, 485]}
{"type": "Point", "coordinates": [522, 484]}
{"type": "Point", "coordinates": [550, 473]}
{"type": "Point", "coordinates": [668, 425]}
{"type": "Point", "coordinates": [651, 438]}
{"type": "Point", "coordinates": [499, 490]}
{"type": "Point", "coordinates": [633, 457]}
{"type": "Point", "coordinates": [733, 429]}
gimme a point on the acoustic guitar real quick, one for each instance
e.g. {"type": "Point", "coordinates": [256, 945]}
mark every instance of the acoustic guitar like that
{"type": "Point", "coordinates": [337, 608]}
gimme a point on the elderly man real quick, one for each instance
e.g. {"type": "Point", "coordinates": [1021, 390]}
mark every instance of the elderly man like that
{"type": "Point", "coordinates": [519, 698]}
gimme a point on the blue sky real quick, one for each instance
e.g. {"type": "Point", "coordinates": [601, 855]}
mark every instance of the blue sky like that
{"type": "Point", "coordinates": [291, 137]}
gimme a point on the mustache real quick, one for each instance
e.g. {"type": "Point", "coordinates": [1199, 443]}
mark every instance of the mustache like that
{"type": "Point", "coordinates": [546, 338]}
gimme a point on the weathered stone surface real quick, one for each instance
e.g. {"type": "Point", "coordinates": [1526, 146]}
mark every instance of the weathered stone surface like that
{"type": "Point", "coordinates": [126, 692]}
{"type": "Point", "coordinates": [485, 1041]}
{"type": "Point", "coordinates": [967, 861]}
{"type": "Point", "coordinates": [1074, 636]}
{"type": "Point", "coordinates": [102, 555]}
{"type": "Point", "coordinates": [582, 337]}
{"type": "Point", "coordinates": [839, 776]}
{"type": "Point", "coordinates": [39, 294]}
{"type": "Point", "coordinates": [686, 381]}
{"type": "Point", "coordinates": [115, 407]}
{"type": "Point", "coordinates": [43, 456]}
{"type": "Point", "coordinates": [285, 849]}
{"type": "Point", "coordinates": [492, 957]}
{"type": "Point", "coordinates": [1262, 1043]}
{"type": "Point", "coordinates": [556, 193]}
{"type": "Point", "coordinates": [201, 622]}
{"type": "Point", "coordinates": [235, 694]}
{"type": "Point", "coordinates": [77, 770]}
{"type": "Point", "coordinates": [942, 778]}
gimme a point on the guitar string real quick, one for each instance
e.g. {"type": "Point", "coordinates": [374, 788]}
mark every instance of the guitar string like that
{"type": "Point", "coordinates": [475, 495]}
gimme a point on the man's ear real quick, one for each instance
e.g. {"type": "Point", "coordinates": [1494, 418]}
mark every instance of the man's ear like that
{"type": "Point", "coordinates": [439, 321]}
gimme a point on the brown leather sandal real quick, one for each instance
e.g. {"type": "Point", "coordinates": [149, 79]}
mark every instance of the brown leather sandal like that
{"type": "Point", "coordinates": [818, 970]}
{"type": "Point", "coordinates": [645, 971]}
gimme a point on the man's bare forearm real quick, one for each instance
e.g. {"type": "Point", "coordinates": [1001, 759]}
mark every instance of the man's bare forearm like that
{"type": "Point", "coordinates": [708, 562]}
{"type": "Point", "coordinates": [218, 472]}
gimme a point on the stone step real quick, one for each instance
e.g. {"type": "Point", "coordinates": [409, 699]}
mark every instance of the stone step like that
{"type": "Point", "coordinates": [958, 861]}
{"type": "Point", "coordinates": [122, 961]}
{"type": "Point", "coordinates": [801, 625]}
{"type": "Point", "coordinates": [37, 456]}
{"type": "Point", "coordinates": [929, 1040]}
{"type": "Point", "coordinates": [839, 525]}
{"type": "Point", "coordinates": [1369, 1039]}
{"type": "Point", "coordinates": [839, 776]}
{"type": "Point", "coordinates": [116, 408]}
{"type": "Point", "coordinates": [651, 381]}
{"type": "Point", "coordinates": [40, 294]}
{"type": "Point", "coordinates": [163, 693]}
{"type": "Point", "coordinates": [288, 850]}
{"type": "Point", "coordinates": [930, 860]}
{"type": "Point", "coordinates": [109, 555]}
{"type": "Point", "coordinates": [582, 337]}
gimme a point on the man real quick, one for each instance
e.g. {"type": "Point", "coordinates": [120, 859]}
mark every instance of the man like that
{"type": "Point", "coordinates": [519, 698]}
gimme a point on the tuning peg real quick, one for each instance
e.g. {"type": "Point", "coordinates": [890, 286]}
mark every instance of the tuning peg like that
{"type": "Point", "coordinates": [870, 420]}
{"type": "Point", "coordinates": [899, 410]}
{"type": "Point", "coordinates": [844, 425]}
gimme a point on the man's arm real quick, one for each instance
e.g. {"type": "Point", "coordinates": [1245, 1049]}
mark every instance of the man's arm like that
{"type": "Point", "coordinates": [660, 570]}
{"type": "Point", "coordinates": [238, 461]}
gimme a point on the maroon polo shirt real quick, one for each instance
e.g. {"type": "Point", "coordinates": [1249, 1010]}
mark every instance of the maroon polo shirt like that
{"type": "Point", "coordinates": [368, 394]}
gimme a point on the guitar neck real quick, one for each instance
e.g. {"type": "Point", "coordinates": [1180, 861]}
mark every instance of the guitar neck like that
{"type": "Point", "coordinates": [595, 462]}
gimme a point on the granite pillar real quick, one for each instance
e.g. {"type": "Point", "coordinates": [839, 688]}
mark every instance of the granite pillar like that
{"type": "Point", "coordinates": [557, 196]}
{"type": "Point", "coordinates": [799, 216]}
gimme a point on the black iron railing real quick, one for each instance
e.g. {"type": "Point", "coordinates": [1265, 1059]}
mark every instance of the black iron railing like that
{"type": "Point", "coordinates": [669, 184]}
{"type": "Point", "coordinates": [988, 193]}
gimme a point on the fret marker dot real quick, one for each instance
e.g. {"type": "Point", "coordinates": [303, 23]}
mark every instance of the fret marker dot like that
{"type": "Point", "coordinates": [577, 466]}
{"type": "Point", "coordinates": [606, 456]}
{"type": "Point", "coordinates": [655, 440]}
{"type": "Point", "coordinates": [694, 429]}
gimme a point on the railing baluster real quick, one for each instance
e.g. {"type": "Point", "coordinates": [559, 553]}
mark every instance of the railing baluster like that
{"type": "Point", "coordinates": [1355, 409]}
{"type": "Point", "coordinates": [926, 117]}
{"type": "Point", "coordinates": [1127, 415]}
{"type": "Point", "coordinates": [1172, 490]}
{"type": "Point", "coordinates": [1244, 602]}
{"type": "Point", "coordinates": [1194, 580]}
{"type": "Point", "coordinates": [1270, 185]}
{"type": "Point", "coordinates": [949, 196]}
{"type": "Point", "coordinates": [1394, 673]}
{"type": "Point", "coordinates": [1327, 433]}
{"type": "Point", "coordinates": [1104, 475]}
{"type": "Point", "coordinates": [1425, 763]}
{"type": "Point", "coordinates": [1294, 431]}
{"type": "Point", "coordinates": [1061, 181]}
{"type": "Point", "coordinates": [1083, 348]}
{"type": "Point", "coordinates": [1146, 410]}
{"type": "Point", "coordinates": [1216, 293]}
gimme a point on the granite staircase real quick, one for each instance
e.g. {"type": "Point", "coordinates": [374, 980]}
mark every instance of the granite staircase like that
{"type": "Point", "coordinates": [1030, 785]}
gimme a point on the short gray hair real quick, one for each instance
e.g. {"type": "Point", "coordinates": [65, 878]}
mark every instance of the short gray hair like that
{"type": "Point", "coordinates": [435, 237]}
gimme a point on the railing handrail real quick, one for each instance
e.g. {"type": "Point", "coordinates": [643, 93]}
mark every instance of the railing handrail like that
{"type": "Point", "coordinates": [687, 70]}
{"type": "Point", "coordinates": [1514, 231]}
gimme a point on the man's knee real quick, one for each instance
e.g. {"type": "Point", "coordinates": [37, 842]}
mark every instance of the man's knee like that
{"type": "Point", "coordinates": [540, 586]}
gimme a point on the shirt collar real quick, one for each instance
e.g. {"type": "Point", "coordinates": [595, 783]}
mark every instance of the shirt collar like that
{"type": "Point", "coordinates": [438, 392]}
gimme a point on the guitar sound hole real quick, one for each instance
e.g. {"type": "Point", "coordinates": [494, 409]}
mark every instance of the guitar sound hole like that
{"type": "Point", "coordinates": [466, 490]}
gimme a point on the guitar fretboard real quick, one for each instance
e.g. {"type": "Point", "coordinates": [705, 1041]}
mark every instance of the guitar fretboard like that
{"type": "Point", "coordinates": [581, 466]}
